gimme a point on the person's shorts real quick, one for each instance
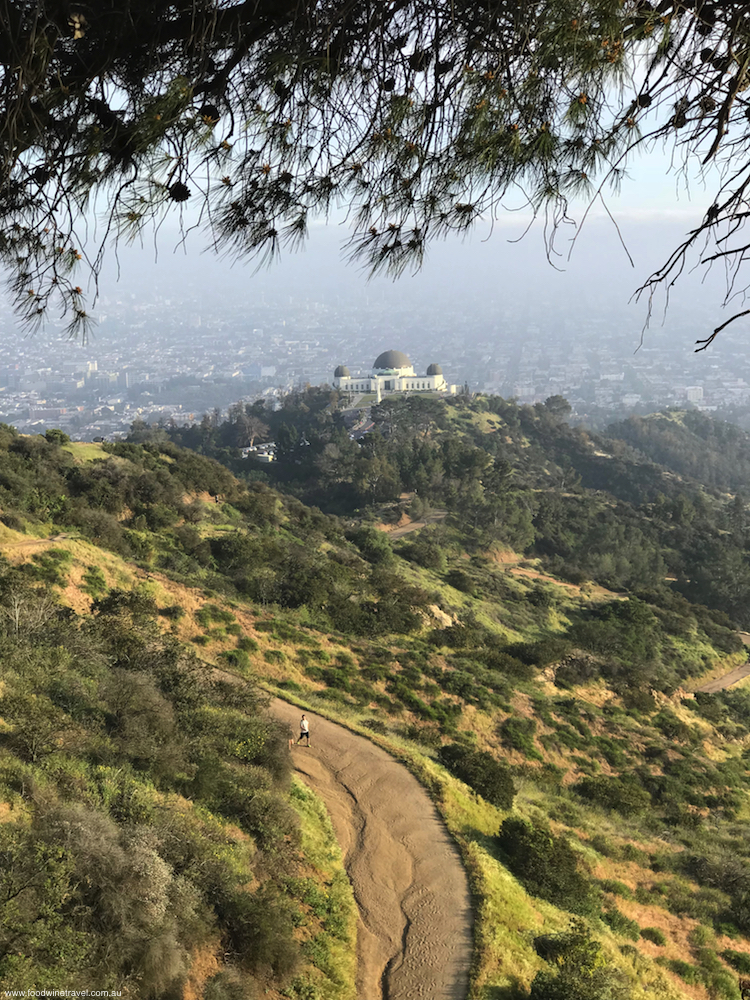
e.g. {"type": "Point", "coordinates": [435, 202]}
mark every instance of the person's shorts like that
{"type": "Point", "coordinates": [303, 734]}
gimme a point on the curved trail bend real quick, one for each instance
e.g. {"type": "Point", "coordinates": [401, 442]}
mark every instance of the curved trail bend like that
{"type": "Point", "coordinates": [415, 925]}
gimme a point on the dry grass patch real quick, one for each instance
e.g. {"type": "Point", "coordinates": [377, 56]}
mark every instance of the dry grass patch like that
{"type": "Point", "coordinates": [7, 813]}
{"type": "Point", "coordinates": [204, 963]}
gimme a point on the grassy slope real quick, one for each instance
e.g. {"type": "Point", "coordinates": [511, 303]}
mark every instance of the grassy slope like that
{"type": "Point", "coordinates": [320, 888]}
{"type": "Point", "coordinates": [509, 917]}
{"type": "Point", "coordinates": [306, 665]}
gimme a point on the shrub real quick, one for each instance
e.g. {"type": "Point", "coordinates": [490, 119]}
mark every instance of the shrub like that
{"type": "Point", "coordinates": [621, 924]}
{"type": "Point", "coordinates": [580, 970]}
{"type": "Point", "coordinates": [273, 656]}
{"type": "Point", "coordinates": [94, 582]}
{"type": "Point", "coordinates": [739, 960]}
{"type": "Point", "coordinates": [213, 613]}
{"type": "Point", "coordinates": [624, 795]}
{"type": "Point", "coordinates": [11, 520]}
{"type": "Point", "coordinates": [374, 545]}
{"type": "Point", "coordinates": [427, 734]}
{"type": "Point", "coordinates": [479, 769]}
{"type": "Point", "coordinates": [701, 936]}
{"type": "Point", "coordinates": [426, 552]}
{"type": "Point", "coordinates": [690, 973]}
{"type": "Point", "coordinates": [602, 845]}
{"type": "Point", "coordinates": [543, 652]}
{"type": "Point", "coordinates": [615, 887]}
{"type": "Point", "coordinates": [547, 865]}
{"type": "Point", "coordinates": [172, 611]}
{"type": "Point", "coordinates": [247, 644]}
{"type": "Point", "coordinates": [654, 935]}
{"type": "Point", "coordinates": [258, 931]}
{"type": "Point", "coordinates": [460, 580]}
{"type": "Point", "coordinates": [229, 985]}
{"type": "Point", "coordinates": [376, 726]}
{"type": "Point", "coordinates": [630, 852]}
{"type": "Point", "coordinates": [236, 658]}
{"type": "Point", "coordinates": [517, 733]}
{"type": "Point", "coordinates": [55, 436]}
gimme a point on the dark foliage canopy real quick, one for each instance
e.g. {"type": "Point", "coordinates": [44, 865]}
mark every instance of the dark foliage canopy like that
{"type": "Point", "coordinates": [417, 116]}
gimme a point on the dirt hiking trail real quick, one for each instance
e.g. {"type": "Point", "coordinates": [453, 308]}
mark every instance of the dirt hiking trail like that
{"type": "Point", "coordinates": [726, 680]}
{"type": "Point", "coordinates": [415, 924]}
{"type": "Point", "coordinates": [398, 531]}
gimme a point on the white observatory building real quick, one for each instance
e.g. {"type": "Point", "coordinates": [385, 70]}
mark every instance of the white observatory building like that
{"type": "Point", "coordinates": [392, 372]}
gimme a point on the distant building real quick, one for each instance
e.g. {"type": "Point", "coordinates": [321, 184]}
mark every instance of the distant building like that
{"type": "Point", "coordinates": [694, 393]}
{"type": "Point", "coordinates": [392, 372]}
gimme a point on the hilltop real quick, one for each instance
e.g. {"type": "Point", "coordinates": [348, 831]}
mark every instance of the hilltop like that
{"type": "Point", "coordinates": [532, 656]}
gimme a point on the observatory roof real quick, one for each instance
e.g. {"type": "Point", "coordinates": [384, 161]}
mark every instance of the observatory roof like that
{"type": "Point", "coordinates": [434, 370]}
{"type": "Point", "coordinates": [392, 359]}
{"type": "Point", "coordinates": [342, 372]}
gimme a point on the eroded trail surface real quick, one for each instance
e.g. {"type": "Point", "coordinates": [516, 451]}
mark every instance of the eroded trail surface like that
{"type": "Point", "coordinates": [415, 923]}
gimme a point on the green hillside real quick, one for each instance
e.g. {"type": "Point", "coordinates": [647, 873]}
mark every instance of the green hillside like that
{"type": "Point", "coordinates": [533, 656]}
{"type": "Point", "coordinates": [691, 444]}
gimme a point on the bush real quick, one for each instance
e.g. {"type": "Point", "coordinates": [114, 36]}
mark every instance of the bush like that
{"type": "Point", "coordinates": [654, 935]}
{"type": "Point", "coordinates": [543, 652]}
{"type": "Point", "coordinates": [258, 930]}
{"type": "Point", "coordinates": [460, 580]}
{"type": "Point", "coordinates": [480, 771]}
{"type": "Point", "coordinates": [602, 845]}
{"type": "Point", "coordinates": [581, 973]}
{"type": "Point", "coordinates": [235, 658]}
{"type": "Point", "coordinates": [615, 887]}
{"type": "Point", "coordinates": [739, 960]}
{"type": "Point", "coordinates": [374, 545]}
{"type": "Point", "coordinates": [426, 552]}
{"type": "Point", "coordinates": [624, 795]}
{"type": "Point", "coordinates": [547, 866]}
{"type": "Point", "coordinates": [172, 611]}
{"type": "Point", "coordinates": [376, 726]}
{"type": "Point", "coordinates": [94, 582]}
{"type": "Point", "coordinates": [621, 924]}
{"type": "Point", "coordinates": [690, 973]}
{"type": "Point", "coordinates": [517, 733]}
{"type": "Point", "coordinates": [229, 985]}
{"type": "Point", "coordinates": [55, 436]}
{"type": "Point", "coordinates": [273, 656]}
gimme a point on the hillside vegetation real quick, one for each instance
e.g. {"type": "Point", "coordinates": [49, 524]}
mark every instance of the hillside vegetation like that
{"type": "Point", "coordinates": [531, 657]}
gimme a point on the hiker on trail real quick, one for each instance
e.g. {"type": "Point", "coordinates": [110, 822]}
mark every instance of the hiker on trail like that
{"type": "Point", "coordinates": [304, 730]}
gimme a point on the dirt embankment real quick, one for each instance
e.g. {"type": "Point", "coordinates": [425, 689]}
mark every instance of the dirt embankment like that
{"type": "Point", "coordinates": [415, 922]}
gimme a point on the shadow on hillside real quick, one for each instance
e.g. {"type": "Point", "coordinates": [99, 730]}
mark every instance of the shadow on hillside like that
{"type": "Point", "coordinates": [512, 992]}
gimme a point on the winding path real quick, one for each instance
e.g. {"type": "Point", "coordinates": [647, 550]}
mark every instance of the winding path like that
{"type": "Point", "coordinates": [726, 680]}
{"type": "Point", "coordinates": [415, 924]}
{"type": "Point", "coordinates": [433, 517]}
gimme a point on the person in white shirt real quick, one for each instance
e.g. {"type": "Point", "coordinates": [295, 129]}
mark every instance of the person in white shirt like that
{"type": "Point", "coordinates": [304, 731]}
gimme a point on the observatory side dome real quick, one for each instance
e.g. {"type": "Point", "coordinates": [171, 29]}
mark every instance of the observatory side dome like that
{"type": "Point", "coordinates": [391, 359]}
{"type": "Point", "coordinates": [342, 372]}
{"type": "Point", "coordinates": [434, 370]}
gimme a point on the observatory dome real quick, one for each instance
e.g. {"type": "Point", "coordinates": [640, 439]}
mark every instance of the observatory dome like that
{"type": "Point", "coordinates": [389, 360]}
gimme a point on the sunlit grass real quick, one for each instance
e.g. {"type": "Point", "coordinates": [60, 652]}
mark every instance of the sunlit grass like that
{"type": "Point", "coordinates": [85, 451]}
{"type": "Point", "coordinates": [321, 850]}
